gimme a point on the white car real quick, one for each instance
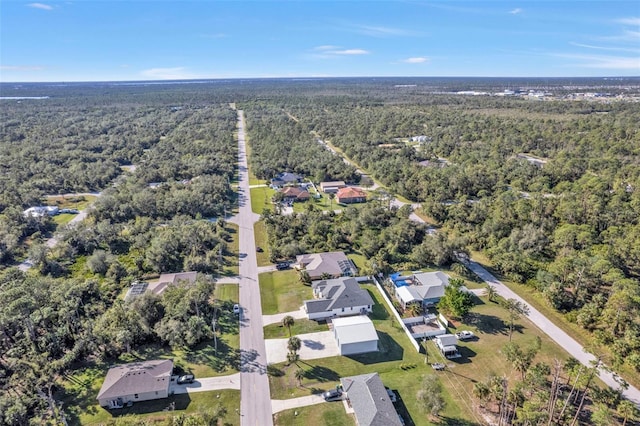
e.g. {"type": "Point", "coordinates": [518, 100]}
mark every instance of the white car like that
{"type": "Point", "coordinates": [464, 335]}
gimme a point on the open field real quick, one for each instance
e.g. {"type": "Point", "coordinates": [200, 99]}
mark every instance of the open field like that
{"type": "Point", "coordinates": [262, 241]}
{"type": "Point", "coordinates": [281, 291]}
{"type": "Point", "coordinates": [261, 199]}
{"type": "Point", "coordinates": [77, 202]}
{"type": "Point", "coordinates": [401, 367]}
{"type": "Point", "coordinates": [231, 259]}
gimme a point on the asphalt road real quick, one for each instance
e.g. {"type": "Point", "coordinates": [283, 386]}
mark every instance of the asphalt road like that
{"type": "Point", "coordinates": [255, 398]}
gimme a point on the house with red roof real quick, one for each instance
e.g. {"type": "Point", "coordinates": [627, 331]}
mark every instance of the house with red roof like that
{"type": "Point", "coordinates": [350, 195]}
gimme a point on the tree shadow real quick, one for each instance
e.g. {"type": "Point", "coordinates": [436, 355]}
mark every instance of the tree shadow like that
{"type": "Point", "coordinates": [465, 355]}
{"type": "Point", "coordinates": [173, 402]}
{"type": "Point", "coordinates": [488, 324]}
{"type": "Point", "coordinates": [388, 350]}
{"type": "Point", "coordinates": [321, 374]}
{"type": "Point", "coordinates": [378, 311]}
{"type": "Point", "coordinates": [452, 421]}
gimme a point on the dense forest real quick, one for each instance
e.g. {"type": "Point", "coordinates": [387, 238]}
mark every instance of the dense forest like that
{"type": "Point", "coordinates": [549, 190]}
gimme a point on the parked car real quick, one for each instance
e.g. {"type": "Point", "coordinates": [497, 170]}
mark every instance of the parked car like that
{"type": "Point", "coordinates": [282, 266]}
{"type": "Point", "coordinates": [259, 249]}
{"type": "Point", "coordinates": [236, 309]}
{"type": "Point", "coordinates": [332, 395]}
{"type": "Point", "coordinates": [438, 366]}
{"type": "Point", "coordinates": [187, 378]}
{"type": "Point", "coordinates": [464, 335]}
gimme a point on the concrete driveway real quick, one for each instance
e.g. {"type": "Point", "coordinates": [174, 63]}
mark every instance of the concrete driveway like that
{"type": "Point", "coordinates": [277, 318]}
{"type": "Point", "coordinates": [278, 405]}
{"type": "Point", "coordinates": [207, 384]}
{"type": "Point", "coordinates": [314, 346]}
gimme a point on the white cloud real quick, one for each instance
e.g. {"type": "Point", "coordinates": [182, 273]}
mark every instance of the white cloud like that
{"type": "Point", "coordinates": [629, 21]}
{"type": "Point", "coordinates": [416, 60]}
{"type": "Point", "coordinates": [176, 73]}
{"type": "Point", "coordinates": [516, 11]}
{"type": "Point", "coordinates": [326, 47]}
{"type": "Point", "coordinates": [380, 31]}
{"type": "Point", "coordinates": [606, 62]}
{"type": "Point", "coordinates": [351, 52]}
{"type": "Point", "coordinates": [40, 6]}
{"type": "Point", "coordinates": [610, 48]}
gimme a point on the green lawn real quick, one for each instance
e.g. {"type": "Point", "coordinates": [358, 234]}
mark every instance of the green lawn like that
{"type": "Point", "coordinates": [358, 259]}
{"type": "Point", "coordinates": [260, 233]}
{"type": "Point", "coordinates": [280, 291]}
{"type": "Point", "coordinates": [401, 367]}
{"type": "Point", "coordinates": [301, 326]}
{"type": "Point", "coordinates": [330, 414]}
{"type": "Point", "coordinates": [78, 202]}
{"type": "Point", "coordinates": [154, 410]}
{"type": "Point", "coordinates": [261, 199]}
{"type": "Point", "coordinates": [63, 219]}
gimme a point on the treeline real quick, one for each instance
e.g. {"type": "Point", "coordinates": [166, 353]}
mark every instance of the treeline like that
{"type": "Point", "coordinates": [279, 143]}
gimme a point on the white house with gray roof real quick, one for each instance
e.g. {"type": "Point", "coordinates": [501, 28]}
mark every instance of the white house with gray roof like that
{"type": "Point", "coordinates": [426, 288]}
{"type": "Point", "coordinates": [137, 381]}
{"type": "Point", "coordinates": [337, 297]}
{"type": "Point", "coordinates": [333, 264]}
{"type": "Point", "coordinates": [370, 401]}
{"type": "Point", "coordinates": [355, 335]}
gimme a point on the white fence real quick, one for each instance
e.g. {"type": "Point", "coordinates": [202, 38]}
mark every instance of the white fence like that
{"type": "Point", "coordinates": [396, 314]}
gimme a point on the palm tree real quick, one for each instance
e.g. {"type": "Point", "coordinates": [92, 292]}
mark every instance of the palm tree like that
{"type": "Point", "coordinates": [288, 321]}
{"type": "Point", "coordinates": [294, 344]}
{"type": "Point", "coordinates": [516, 310]}
{"type": "Point", "coordinates": [415, 309]}
{"type": "Point", "coordinates": [299, 375]}
{"type": "Point", "coordinates": [304, 277]}
{"type": "Point", "coordinates": [492, 293]}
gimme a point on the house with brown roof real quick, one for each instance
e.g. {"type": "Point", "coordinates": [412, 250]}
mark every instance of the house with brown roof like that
{"type": "Point", "coordinates": [294, 193]}
{"type": "Point", "coordinates": [137, 381]}
{"type": "Point", "coordinates": [332, 264]}
{"type": "Point", "coordinates": [161, 284]}
{"type": "Point", "coordinates": [351, 195]}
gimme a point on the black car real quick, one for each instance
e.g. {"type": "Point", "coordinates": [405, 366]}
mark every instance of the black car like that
{"type": "Point", "coordinates": [259, 249]}
{"type": "Point", "coordinates": [282, 266]}
{"type": "Point", "coordinates": [186, 379]}
{"type": "Point", "coordinates": [332, 395]}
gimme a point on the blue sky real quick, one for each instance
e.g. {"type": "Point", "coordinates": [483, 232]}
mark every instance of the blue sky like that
{"type": "Point", "coordinates": [86, 40]}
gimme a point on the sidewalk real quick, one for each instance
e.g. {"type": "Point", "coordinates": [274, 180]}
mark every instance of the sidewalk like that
{"type": "Point", "coordinates": [278, 405]}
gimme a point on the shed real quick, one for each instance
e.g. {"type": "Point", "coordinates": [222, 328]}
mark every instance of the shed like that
{"type": "Point", "coordinates": [355, 335]}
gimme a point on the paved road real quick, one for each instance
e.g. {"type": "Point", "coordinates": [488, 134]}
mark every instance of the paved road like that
{"type": "Point", "coordinates": [303, 401]}
{"type": "Point", "coordinates": [255, 399]}
{"type": "Point", "coordinates": [556, 334]}
{"type": "Point", "coordinates": [207, 384]}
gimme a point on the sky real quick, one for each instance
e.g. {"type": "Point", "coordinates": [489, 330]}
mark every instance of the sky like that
{"type": "Point", "coordinates": [87, 40]}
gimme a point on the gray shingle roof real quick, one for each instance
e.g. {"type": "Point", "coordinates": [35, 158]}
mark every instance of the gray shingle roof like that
{"type": "Point", "coordinates": [338, 293]}
{"type": "Point", "coordinates": [370, 400]}
{"type": "Point", "coordinates": [136, 377]}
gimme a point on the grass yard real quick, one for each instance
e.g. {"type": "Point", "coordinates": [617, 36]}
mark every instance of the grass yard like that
{"type": "Point", "coordinates": [301, 326]}
{"type": "Point", "coordinates": [77, 202]}
{"type": "Point", "coordinates": [154, 410]}
{"type": "Point", "coordinates": [358, 259]}
{"type": "Point", "coordinates": [262, 241]}
{"type": "Point", "coordinates": [261, 199]}
{"type": "Point", "coordinates": [280, 291]}
{"type": "Point", "coordinates": [401, 367]}
{"type": "Point", "coordinates": [232, 267]}
{"type": "Point", "coordinates": [63, 219]}
{"type": "Point", "coordinates": [329, 414]}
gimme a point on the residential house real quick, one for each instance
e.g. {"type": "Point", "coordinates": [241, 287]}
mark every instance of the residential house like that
{"type": "Point", "coordinates": [447, 343]}
{"type": "Point", "coordinates": [286, 178]}
{"type": "Point", "coordinates": [161, 284]}
{"type": "Point", "coordinates": [337, 297]}
{"type": "Point", "coordinates": [425, 288]}
{"type": "Point", "coordinates": [370, 401]}
{"type": "Point", "coordinates": [330, 264]}
{"type": "Point", "coordinates": [293, 193]}
{"type": "Point", "coordinates": [331, 187]}
{"type": "Point", "coordinates": [355, 335]}
{"type": "Point", "coordinates": [137, 381]}
{"type": "Point", "coordinates": [351, 195]}
{"type": "Point", "coordinates": [41, 211]}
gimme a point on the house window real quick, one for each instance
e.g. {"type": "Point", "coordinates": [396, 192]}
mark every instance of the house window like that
{"type": "Point", "coordinates": [135, 396]}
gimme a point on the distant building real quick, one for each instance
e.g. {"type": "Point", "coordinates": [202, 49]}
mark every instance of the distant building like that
{"type": "Point", "coordinates": [161, 284]}
{"type": "Point", "coordinates": [138, 381]}
{"type": "Point", "coordinates": [351, 195]}
{"type": "Point", "coordinates": [294, 193]}
{"type": "Point", "coordinates": [425, 288]}
{"type": "Point", "coordinates": [331, 187]}
{"type": "Point", "coordinates": [41, 211]}
{"type": "Point", "coordinates": [286, 178]}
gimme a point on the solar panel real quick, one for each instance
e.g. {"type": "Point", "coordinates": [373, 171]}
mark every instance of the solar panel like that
{"type": "Point", "coordinates": [138, 288]}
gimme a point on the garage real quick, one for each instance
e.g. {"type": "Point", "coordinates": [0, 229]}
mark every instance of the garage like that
{"type": "Point", "coordinates": [355, 335]}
